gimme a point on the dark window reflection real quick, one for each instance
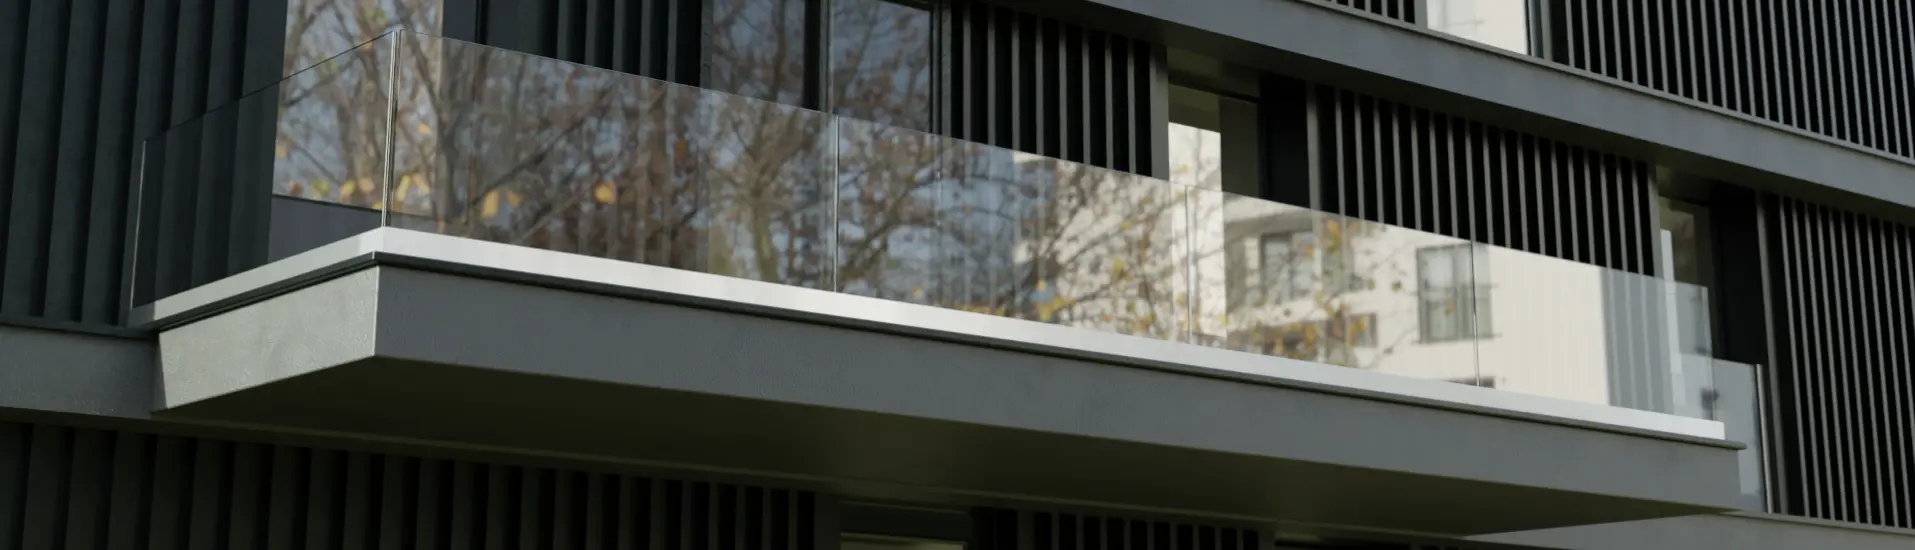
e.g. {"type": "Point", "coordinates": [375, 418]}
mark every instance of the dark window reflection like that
{"type": "Point", "coordinates": [880, 60]}
{"type": "Point", "coordinates": [758, 48]}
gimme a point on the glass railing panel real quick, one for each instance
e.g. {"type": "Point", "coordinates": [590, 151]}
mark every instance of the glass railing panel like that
{"type": "Point", "coordinates": [765, 172]}
{"type": "Point", "coordinates": [1576, 331]}
{"type": "Point", "coordinates": [1288, 281]}
{"type": "Point", "coordinates": [1112, 249]}
{"type": "Point", "coordinates": [303, 158]}
{"type": "Point", "coordinates": [940, 221]}
{"type": "Point", "coordinates": [506, 147]}
{"type": "Point", "coordinates": [888, 229]}
{"type": "Point", "coordinates": [519, 149]}
{"type": "Point", "coordinates": [1733, 398]}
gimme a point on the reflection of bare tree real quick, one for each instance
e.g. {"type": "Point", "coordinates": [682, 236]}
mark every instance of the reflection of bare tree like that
{"type": "Point", "coordinates": [939, 221]}
{"type": "Point", "coordinates": [332, 122]}
{"type": "Point", "coordinates": [514, 148]}
{"type": "Point", "coordinates": [320, 29]}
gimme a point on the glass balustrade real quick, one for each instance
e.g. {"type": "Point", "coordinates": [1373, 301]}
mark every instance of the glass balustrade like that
{"type": "Point", "coordinates": [449, 137]}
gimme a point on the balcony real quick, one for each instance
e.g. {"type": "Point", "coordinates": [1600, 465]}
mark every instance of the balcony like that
{"type": "Point", "coordinates": [465, 244]}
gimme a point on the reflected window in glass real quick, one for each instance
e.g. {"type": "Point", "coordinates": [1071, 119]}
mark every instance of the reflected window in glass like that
{"type": "Point", "coordinates": [880, 61]}
{"type": "Point", "coordinates": [1452, 305]}
{"type": "Point", "coordinates": [1287, 263]}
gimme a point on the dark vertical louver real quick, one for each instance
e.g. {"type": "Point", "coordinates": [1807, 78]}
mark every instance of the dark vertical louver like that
{"type": "Point", "coordinates": [1840, 389]}
{"type": "Point", "coordinates": [654, 38]}
{"type": "Point", "coordinates": [1041, 86]}
{"type": "Point", "coordinates": [66, 487]}
{"type": "Point", "coordinates": [1402, 165]}
{"type": "Point", "coordinates": [1020, 530]}
{"type": "Point", "coordinates": [82, 82]}
{"type": "Point", "coordinates": [1402, 10]}
{"type": "Point", "coordinates": [1833, 67]}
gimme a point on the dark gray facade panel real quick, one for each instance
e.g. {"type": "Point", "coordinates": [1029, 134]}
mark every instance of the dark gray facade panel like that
{"type": "Point", "coordinates": [1841, 65]}
{"type": "Point", "coordinates": [1841, 365]}
{"type": "Point", "coordinates": [653, 38]}
{"type": "Point", "coordinates": [1312, 40]}
{"type": "Point", "coordinates": [1401, 10]}
{"type": "Point", "coordinates": [82, 83]}
{"type": "Point", "coordinates": [1598, 208]}
{"type": "Point", "coordinates": [1098, 101]}
{"type": "Point", "coordinates": [69, 487]}
{"type": "Point", "coordinates": [67, 372]}
{"type": "Point", "coordinates": [1711, 532]}
{"type": "Point", "coordinates": [994, 529]}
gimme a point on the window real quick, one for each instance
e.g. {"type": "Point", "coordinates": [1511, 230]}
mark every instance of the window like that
{"type": "Point", "coordinates": [1339, 255]}
{"type": "Point", "coordinates": [1453, 303]}
{"type": "Point", "coordinates": [1689, 258]}
{"type": "Point", "coordinates": [880, 60]}
{"type": "Point", "coordinates": [1500, 23]}
{"type": "Point", "coordinates": [1288, 264]}
{"type": "Point", "coordinates": [1211, 141]}
{"type": "Point", "coordinates": [1359, 331]}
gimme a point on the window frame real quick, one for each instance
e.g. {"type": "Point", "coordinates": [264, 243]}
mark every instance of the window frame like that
{"type": "Point", "coordinates": [1467, 287]}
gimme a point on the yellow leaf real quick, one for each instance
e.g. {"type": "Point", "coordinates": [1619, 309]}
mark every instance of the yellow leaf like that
{"type": "Point", "coordinates": [917, 292]}
{"type": "Point", "coordinates": [425, 129]}
{"type": "Point", "coordinates": [365, 185]}
{"type": "Point", "coordinates": [405, 188]}
{"type": "Point", "coordinates": [381, 205]}
{"type": "Point", "coordinates": [280, 150]}
{"type": "Point", "coordinates": [1041, 285]}
{"type": "Point", "coordinates": [604, 192]}
{"type": "Point", "coordinates": [324, 187]}
{"type": "Point", "coordinates": [489, 207]}
{"type": "Point", "coordinates": [513, 197]}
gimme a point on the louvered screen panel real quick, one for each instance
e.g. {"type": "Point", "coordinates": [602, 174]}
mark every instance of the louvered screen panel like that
{"type": "Point", "coordinates": [1012, 530]}
{"type": "Point", "coordinates": [1839, 68]}
{"type": "Point", "coordinates": [1402, 10]}
{"type": "Point", "coordinates": [1060, 90]}
{"type": "Point", "coordinates": [66, 487]}
{"type": "Point", "coordinates": [654, 38]}
{"type": "Point", "coordinates": [1407, 166]}
{"type": "Point", "coordinates": [1841, 395]}
{"type": "Point", "coordinates": [82, 82]}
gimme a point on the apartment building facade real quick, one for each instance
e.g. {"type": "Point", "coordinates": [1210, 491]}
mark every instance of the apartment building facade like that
{"type": "Point", "coordinates": [944, 274]}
